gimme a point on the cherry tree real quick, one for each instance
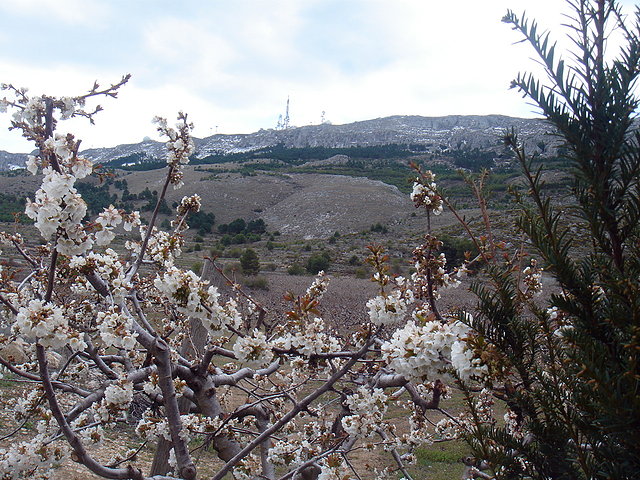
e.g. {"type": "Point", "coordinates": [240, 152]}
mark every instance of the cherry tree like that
{"type": "Point", "coordinates": [128, 327]}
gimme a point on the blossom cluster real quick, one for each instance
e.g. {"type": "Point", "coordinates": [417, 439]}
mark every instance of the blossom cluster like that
{"type": "Point", "coordinates": [195, 298]}
{"type": "Point", "coordinates": [46, 323]}
{"type": "Point", "coordinates": [116, 401]}
{"type": "Point", "coordinates": [107, 265]}
{"type": "Point", "coordinates": [425, 193]}
{"type": "Point", "coordinates": [308, 338]}
{"type": "Point", "coordinates": [59, 209]}
{"type": "Point", "coordinates": [107, 220]}
{"type": "Point", "coordinates": [162, 247]}
{"type": "Point", "coordinates": [431, 274]}
{"type": "Point", "coordinates": [189, 204]}
{"type": "Point", "coordinates": [391, 309]}
{"type": "Point", "coordinates": [532, 279]}
{"type": "Point", "coordinates": [366, 411]}
{"type": "Point", "coordinates": [419, 352]}
{"type": "Point", "coordinates": [116, 329]}
{"type": "Point", "coordinates": [31, 459]}
{"type": "Point", "coordinates": [179, 146]}
{"type": "Point", "coordinates": [253, 350]}
{"type": "Point", "coordinates": [319, 286]}
{"type": "Point", "coordinates": [333, 467]}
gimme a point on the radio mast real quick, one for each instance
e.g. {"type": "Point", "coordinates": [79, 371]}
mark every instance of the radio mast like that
{"type": "Point", "coordinates": [283, 123]}
{"type": "Point", "coordinates": [286, 116]}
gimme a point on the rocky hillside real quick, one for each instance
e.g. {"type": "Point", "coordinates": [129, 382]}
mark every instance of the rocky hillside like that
{"type": "Point", "coordinates": [431, 134]}
{"type": "Point", "coordinates": [10, 161]}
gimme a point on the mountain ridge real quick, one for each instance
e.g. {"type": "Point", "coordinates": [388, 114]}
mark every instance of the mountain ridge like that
{"type": "Point", "coordinates": [443, 132]}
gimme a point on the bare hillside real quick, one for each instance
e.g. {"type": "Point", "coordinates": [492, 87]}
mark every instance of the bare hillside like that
{"type": "Point", "coordinates": [302, 205]}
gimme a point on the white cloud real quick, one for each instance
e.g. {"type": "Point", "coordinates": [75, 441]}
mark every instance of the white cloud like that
{"type": "Point", "coordinates": [67, 11]}
{"type": "Point", "coordinates": [187, 50]}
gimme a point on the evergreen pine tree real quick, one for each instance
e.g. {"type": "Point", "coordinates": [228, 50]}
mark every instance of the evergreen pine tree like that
{"type": "Point", "coordinates": [569, 370]}
{"type": "Point", "coordinates": [249, 262]}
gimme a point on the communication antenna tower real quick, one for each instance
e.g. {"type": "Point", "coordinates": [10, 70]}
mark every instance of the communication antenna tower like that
{"type": "Point", "coordinates": [285, 123]}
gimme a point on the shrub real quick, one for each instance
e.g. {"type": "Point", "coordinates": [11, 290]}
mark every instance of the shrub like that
{"type": "Point", "coordinates": [456, 248]}
{"type": "Point", "coordinates": [237, 226]}
{"type": "Point", "coordinates": [226, 240]}
{"type": "Point", "coordinates": [256, 226]}
{"type": "Point", "coordinates": [230, 269]}
{"type": "Point", "coordinates": [296, 269]}
{"type": "Point", "coordinates": [379, 228]}
{"type": "Point", "coordinates": [202, 221]}
{"type": "Point", "coordinates": [250, 262]}
{"type": "Point", "coordinates": [259, 282]}
{"type": "Point", "coordinates": [361, 272]}
{"type": "Point", "coordinates": [318, 262]}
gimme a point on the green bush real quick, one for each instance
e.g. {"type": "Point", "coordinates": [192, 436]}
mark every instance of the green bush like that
{"type": "Point", "coordinates": [361, 272]}
{"type": "Point", "coordinates": [379, 228]}
{"type": "Point", "coordinates": [455, 248]}
{"type": "Point", "coordinates": [250, 262]}
{"type": "Point", "coordinates": [256, 226]}
{"type": "Point", "coordinates": [318, 262]}
{"type": "Point", "coordinates": [11, 205]}
{"type": "Point", "coordinates": [257, 282]}
{"type": "Point", "coordinates": [296, 269]}
{"type": "Point", "coordinates": [231, 269]}
{"type": "Point", "coordinates": [202, 222]}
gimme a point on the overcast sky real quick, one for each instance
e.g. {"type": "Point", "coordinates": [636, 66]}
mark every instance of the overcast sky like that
{"type": "Point", "coordinates": [232, 64]}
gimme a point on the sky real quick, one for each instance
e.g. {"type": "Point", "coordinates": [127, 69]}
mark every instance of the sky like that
{"type": "Point", "coordinates": [232, 64]}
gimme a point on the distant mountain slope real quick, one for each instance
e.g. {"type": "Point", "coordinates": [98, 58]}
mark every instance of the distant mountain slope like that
{"type": "Point", "coordinates": [431, 133]}
{"type": "Point", "coordinates": [452, 131]}
{"type": "Point", "coordinates": [9, 161]}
